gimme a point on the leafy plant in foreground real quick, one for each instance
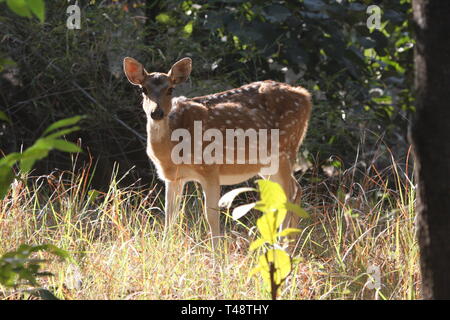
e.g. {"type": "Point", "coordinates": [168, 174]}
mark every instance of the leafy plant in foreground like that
{"type": "Point", "coordinates": [51, 139]}
{"type": "Point", "coordinates": [274, 263]}
{"type": "Point", "coordinates": [17, 267]}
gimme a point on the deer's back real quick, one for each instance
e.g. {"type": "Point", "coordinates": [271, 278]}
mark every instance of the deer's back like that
{"type": "Point", "coordinates": [258, 105]}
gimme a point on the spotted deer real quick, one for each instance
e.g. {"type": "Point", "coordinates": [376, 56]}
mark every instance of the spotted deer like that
{"type": "Point", "coordinates": [258, 105]}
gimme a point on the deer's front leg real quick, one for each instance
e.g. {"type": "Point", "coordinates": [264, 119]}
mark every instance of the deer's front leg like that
{"type": "Point", "coordinates": [174, 191]}
{"type": "Point", "coordinates": [211, 190]}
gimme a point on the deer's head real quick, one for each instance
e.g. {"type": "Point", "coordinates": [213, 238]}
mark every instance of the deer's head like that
{"type": "Point", "coordinates": [157, 87]}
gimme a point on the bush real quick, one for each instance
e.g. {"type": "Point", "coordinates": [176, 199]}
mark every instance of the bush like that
{"type": "Point", "coordinates": [359, 77]}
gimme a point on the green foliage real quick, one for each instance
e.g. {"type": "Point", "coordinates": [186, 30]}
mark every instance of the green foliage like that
{"type": "Point", "coordinates": [18, 266]}
{"type": "Point", "coordinates": [22, 8]}
{"type": "Point", "coordinates": [4, 117]}
{"type": "Point", "coordinates": [51, 140]}
{"type": "Point", "coordinates": [359, 78]}
{"type": "Point", "coordinates": [274, 264]}
{"type": "Point", "coordinates": [5, 62]}
{"type": "Point", "coordinates": [60, 73]}
{"type": "Point", "coordinates": [26, 8]}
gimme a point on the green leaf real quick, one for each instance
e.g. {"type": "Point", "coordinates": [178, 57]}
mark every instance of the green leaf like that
{"type": "Point", "coordinates": [43, 146]}
{"type": "Point", "coordinates": [62, 132]}
{"type": "Point", "coordinates": [188, 28]}
{"type": "Point", "coordinates": [65, 146]}
{"type": "Point", "coordinates": [297, 210]}
{"type": "Point", "coordinates": [266, 227]}
{"type": "Point", "coordinates": [273, 205]}
{"type": "Point", "coordinates": [10, 159]}
{"type": "Point", "coordinates": [6, 179]}
{"type": "Point", "coordinates": [17, 265]}
{"type": "Point", "coordinates": [288, 231]}
{"type": "Point", "coordinates": [282, 264]}
{"type": "Point", "coordinates": [51, 249]}
{"type": "Point", "coordinates": [19, 7]}
{"type": "Point", "coordinates": [257, 244]}
{"type": "Point", "coordinates": [92, 195]}
{"type": "Point", "coordinates": [38, 8]}
{"type": "Point", "coordinates": [269, 223]}
{"type": "Point", "coordinates": [30, 156]}
{"type": "Point", "coordinates": [40, 150]}
{"type": "Point", "coordinates": [27, 164]}
{"type": "Point", "coordinates": [4, 117]}
{"type": "Point", "coordinates": [272, 194]}
{"type": "Point", "coordinates": [163, 18]}
{"type": "Point", "coordinates": [63, 123]}
{"type": "Point", "coordinates": [28, 274]}
{"type": "Point", "coordinates": [254, 271]}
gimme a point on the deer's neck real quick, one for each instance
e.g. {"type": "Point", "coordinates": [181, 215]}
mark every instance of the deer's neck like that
{"type": "Point", "coordinates": [157, 130]}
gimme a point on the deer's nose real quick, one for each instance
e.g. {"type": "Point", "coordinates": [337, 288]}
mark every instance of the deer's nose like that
{"type": "Point", "coordinates": [157, 114]}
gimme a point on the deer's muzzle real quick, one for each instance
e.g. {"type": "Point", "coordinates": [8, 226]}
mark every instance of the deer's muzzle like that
{"type": "Point", "coordinates": [157, 114]}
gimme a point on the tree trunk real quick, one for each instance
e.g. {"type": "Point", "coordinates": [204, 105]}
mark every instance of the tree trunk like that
{"type": "Point", "coordinates": [430, 136]}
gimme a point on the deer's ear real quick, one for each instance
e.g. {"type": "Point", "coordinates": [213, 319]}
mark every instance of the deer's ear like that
{"type": "Point", "coordinates": [181, 70]}
{"type": "Point", "coordinates": [134, 71]}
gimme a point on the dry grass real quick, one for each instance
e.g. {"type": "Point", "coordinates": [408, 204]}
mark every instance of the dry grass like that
{"type": "Point", "coordinates": [118, 251]}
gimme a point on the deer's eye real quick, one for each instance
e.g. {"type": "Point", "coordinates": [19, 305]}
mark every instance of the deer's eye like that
{"type": "Point", "coordinates": [169, 91]}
